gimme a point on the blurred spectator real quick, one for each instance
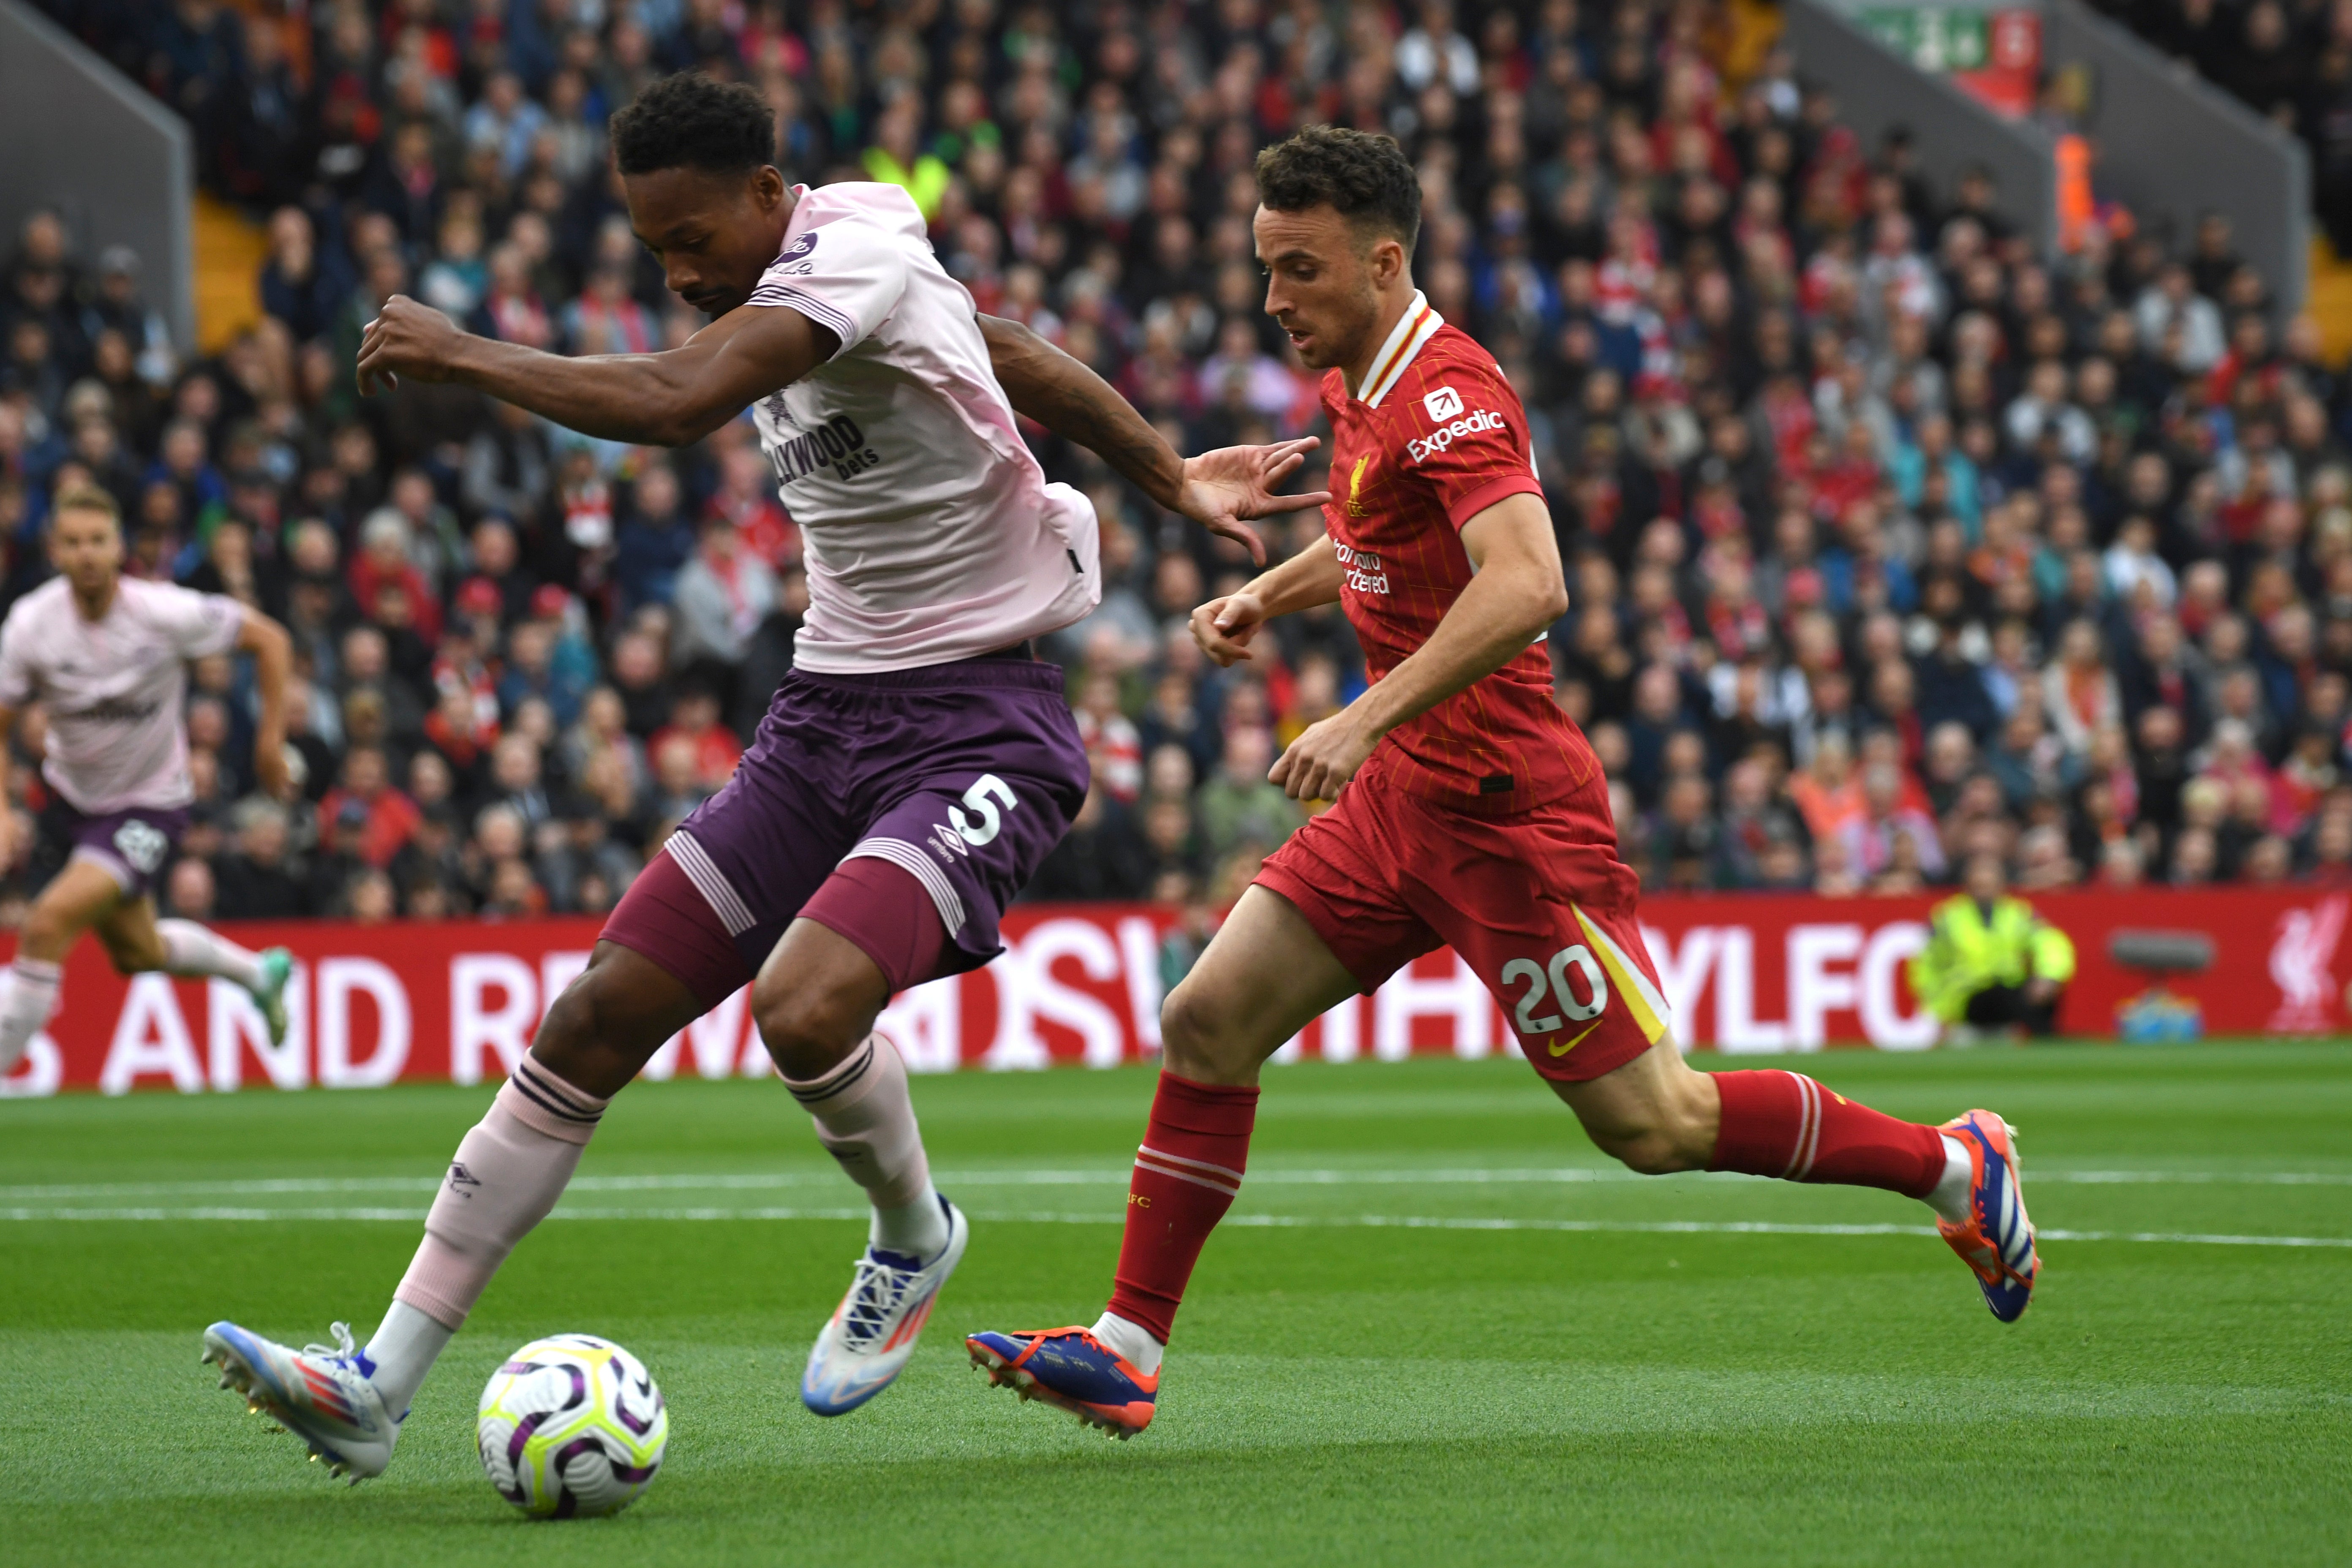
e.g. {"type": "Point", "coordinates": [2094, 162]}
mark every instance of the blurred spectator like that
{"type": "Point", "coordinates": [1239, 804]}
{"type": "Point", "coordinates": [364, 817]}
{"type": "Point", "coordinates": [1891, 541]}
{"type": "Point", "coordinates": [256, 876]}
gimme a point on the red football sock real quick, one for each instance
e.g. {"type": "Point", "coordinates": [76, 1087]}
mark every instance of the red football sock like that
{"type": "Point", "coordinates": [1186, 1176]}
{"type": "Point", "coordinates": [1784, 1125]}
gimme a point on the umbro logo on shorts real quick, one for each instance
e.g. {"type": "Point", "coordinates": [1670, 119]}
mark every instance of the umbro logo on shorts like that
{"type": "Point", "coordinates": [143, 844]}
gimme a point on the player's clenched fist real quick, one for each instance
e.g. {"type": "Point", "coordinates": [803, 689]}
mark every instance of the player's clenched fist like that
{"type": "Point", "coordinates": [1323, 758]}
{"type": "Point", "coordinates": [1225, 627]}
{"type": "Point", "coordinates": [406, 339]}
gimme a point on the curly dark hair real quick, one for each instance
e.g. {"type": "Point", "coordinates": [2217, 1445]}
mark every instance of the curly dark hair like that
{"type": "Point", "coordinates": [1363, 175]}
{"type": "Point", "coordinates": [688, 121]}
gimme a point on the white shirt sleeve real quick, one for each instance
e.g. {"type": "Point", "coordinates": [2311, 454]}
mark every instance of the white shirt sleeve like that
{"type": "Point", "coordinates": [198, 624]}
{"type": "Point", "coordinates": [845, 273]}
{"type": "Point", "coordinates": [19, 682]}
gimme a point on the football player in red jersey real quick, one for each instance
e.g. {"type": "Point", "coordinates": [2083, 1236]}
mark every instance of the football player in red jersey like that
{"type": "Point", "coordinates": [1470, 811]}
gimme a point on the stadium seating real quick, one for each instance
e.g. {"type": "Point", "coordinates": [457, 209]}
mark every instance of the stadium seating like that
{"type": "Point", "coordinates": [1888, 539]}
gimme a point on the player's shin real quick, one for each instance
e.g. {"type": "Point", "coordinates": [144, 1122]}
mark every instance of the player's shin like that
{"type": "Point", "coordinates": [28, 995]}
{"type": "Point", "coordinates": [198, 953]}
{"type": "Point", "coordinates": [1786, 1125]}
{"type": "Point", "coordinates": [865, 1117]}
{"type": "Point", "coordinates": [1187, 1174]}
{"type": "Point", "coordinates": [507, 1173]}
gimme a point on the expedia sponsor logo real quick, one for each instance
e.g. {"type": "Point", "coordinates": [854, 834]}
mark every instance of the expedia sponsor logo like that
{"type": "Point", "coordinates": [1365, 574]}
{"type": "Point", "coordinates": [1445, 435]}
{"type": "Point", "coordinates": [837, 444]}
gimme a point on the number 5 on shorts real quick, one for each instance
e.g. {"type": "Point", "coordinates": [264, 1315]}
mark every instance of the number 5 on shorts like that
{"type": "Point", "coordinates": [990, 821]}
{"type": "Point", "coordinates": [1552, 978]}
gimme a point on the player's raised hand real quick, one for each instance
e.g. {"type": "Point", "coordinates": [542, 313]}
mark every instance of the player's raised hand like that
{"type": "Point", "coordinates": [1323, 758]}
{"type": "Point", "coordinates": [1225, 627]}
{"type": "Point", "coordinates": [1225, 487]}
{"type": "Point", "coordinates": [406, 339]}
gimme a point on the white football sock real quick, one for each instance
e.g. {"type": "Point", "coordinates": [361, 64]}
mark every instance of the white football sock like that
{"type": "Point", "coordinates": [28, 995]}
{"type": "Point", "coordinates": [918, 1229]}
{"type": "Point", "coordinates": [1950, 1198]}
{"type": "Point", "coordinates": [191, 949]}
{"type": "Point", "coordinates": [1132, 1340]}
{"type": "Point", "coordinates": [508, 1173]}
{"type": "Point", "coordinates": [866, 1118]}
{"type": "Point", "coordinates": [405, 1345]}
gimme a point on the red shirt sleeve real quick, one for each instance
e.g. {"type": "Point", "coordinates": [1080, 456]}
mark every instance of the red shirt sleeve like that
{"type": "Point", "coordinates": [1465, 436]}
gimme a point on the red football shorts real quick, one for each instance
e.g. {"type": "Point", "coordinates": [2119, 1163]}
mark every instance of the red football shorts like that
{"type": "Point", "coordinates": [1538, 903]}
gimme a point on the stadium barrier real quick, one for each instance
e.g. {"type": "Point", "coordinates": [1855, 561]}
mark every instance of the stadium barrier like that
{"type": "Point", "coordinates": [1081, 983]}
{"type": "Point", "coordinates": [85, 140]}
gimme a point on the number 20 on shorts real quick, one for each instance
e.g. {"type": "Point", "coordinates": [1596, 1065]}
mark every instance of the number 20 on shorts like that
{"type": "Point", "coordinates": [1550, 982]}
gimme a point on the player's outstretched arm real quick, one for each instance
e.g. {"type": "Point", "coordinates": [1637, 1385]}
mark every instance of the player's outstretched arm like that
{"type": "Point", "coordinates": [8, 812]}
{"type": "Point", "coordinates": [273, 661]}
{"type": "Point", "coordinates": [1519, 590]}
{"type": "Point", "coordinates": [1220, 490]}
{"type": "Point", "coordinates": [1225, 628]}
{"type": "Point", "coordinates": [667, 399]}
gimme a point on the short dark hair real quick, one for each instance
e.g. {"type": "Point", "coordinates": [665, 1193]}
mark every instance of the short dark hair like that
{"type": "Point", "coordinates": [688, 121]}
{"type": "Point", "coordinates": [1363, 175]}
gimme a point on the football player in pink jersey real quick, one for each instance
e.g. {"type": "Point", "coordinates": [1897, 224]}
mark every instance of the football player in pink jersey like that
{"type": "Point", "coordinates": [107, 656]}
{"type": "Point", "coordinates": [912, 770]}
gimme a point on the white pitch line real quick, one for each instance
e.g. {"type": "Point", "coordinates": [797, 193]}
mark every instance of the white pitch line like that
{"type": "Point", "coordinates": [1249, 1221]}
{"type": "Point", "coordinates": [777, 1180]}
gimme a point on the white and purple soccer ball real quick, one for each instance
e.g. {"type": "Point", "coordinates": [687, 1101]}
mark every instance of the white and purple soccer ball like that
{"type": "Point", "coordinates": [571, 1427]}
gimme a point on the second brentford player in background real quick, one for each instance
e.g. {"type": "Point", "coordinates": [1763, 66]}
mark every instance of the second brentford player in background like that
{"type": "Point", "coordinates": [1470, 811]}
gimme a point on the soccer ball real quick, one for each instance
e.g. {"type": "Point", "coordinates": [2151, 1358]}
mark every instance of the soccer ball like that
{"type": "Point", "coordinates": [571, 1426]}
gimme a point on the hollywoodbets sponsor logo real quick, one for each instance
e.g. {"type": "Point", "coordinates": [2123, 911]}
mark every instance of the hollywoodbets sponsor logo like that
{"type": "Point", "coordinates": [1365, 574]}
{"type": "Point", "coordinates": [837, 444]}
{"type": "Point", "coordinates": [1445, 435]}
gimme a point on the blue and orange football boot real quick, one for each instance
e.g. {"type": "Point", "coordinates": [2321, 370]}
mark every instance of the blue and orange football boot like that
{"type": "Point", "coordinates": [1073, 1371]}
{"type": "Point", "coordinates": [1997, 1240]}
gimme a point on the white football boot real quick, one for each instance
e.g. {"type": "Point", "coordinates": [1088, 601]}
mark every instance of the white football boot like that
{"type": "Point", "coordinates": [321, 1394]}
{"type": "Point", "coordinates": [872, 1333]}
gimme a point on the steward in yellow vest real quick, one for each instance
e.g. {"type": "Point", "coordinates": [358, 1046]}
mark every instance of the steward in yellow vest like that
{"type": "Point", "coordinates": [1991, 963]}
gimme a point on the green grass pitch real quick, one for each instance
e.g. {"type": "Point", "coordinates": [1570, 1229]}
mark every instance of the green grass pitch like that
{"type": "Point", "coordinates": [1552, 1363]}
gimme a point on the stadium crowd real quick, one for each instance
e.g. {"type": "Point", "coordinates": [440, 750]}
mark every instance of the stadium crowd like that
{"type": "Point", "coordinates": [2289, 62]}
{"type": "Point", "coordinates": [1888, 541]}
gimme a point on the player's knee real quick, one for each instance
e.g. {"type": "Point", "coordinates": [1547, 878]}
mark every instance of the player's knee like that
{"type": "Point", "coordinates": [129, 958]}
{"type": "Point", "coordinates": [1196, 1040]}
{"type": "Point", "coordinates": [1650, 1152]}
{"type": "Point", "coordinates": [47, 932]}
{"type": "Point", "coordinates": [569, 1028]}
{"type": "Point", "coordinates": [808, 1028]}
{"type": "Point", "coordinates": [1655, 1135]}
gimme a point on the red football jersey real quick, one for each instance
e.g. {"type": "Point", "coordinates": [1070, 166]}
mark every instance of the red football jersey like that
{"type": "Point", "coordinates": [1437, 437]}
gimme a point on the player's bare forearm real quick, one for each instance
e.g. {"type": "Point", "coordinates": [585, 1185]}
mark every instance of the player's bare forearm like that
{"type": "Point", "coordinates": [273, 661]}
{"type": "Point", "coordinates": [1065, 397]}
{"type": "Point", "coordinates": [1220, 490]}
{"type": "Point", "coordinates": [8, 846]}
{"type": "Point", "coordinates": [667, 399]}
{"type": "Point", "coordinates": [1225, 628]}
{"type": "Point", "coordinates": [1313, 577]}
{"type": "Point", "coordinates": [1518, 591]}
